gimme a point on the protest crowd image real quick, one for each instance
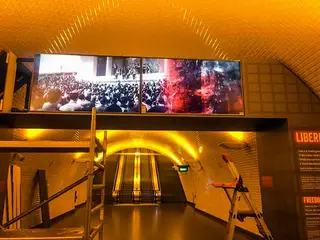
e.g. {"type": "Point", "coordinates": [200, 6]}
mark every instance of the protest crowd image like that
{"type": "Point", "coordinates": [83, 82]}
{"type": "Point", "coordinates": [192, 86]}
{"type": "Point", "coordinates": [112, 84]}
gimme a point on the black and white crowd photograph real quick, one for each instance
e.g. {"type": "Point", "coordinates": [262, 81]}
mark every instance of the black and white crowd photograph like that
{"type": "Point", "coordinates": [78, 83]}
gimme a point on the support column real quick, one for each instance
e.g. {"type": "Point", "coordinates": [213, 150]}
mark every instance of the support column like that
{"type": "Point", "coordinates": [109, 67]}
{"type": "Point", "coordinates": [279, 203]}
{"type": "Point", "coordinates": [10, 81]}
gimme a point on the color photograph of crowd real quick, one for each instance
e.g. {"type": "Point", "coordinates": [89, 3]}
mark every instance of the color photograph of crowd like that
{"type": "Point", "coordinates": [192, 86]}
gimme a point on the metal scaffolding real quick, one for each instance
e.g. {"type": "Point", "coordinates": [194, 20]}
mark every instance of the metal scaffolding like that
{"type": "Point", "coordinates": [92, 147]}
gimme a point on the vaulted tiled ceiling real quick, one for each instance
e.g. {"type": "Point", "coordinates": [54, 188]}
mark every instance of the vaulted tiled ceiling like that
{"type": "Point", "coordinates": [282, 30]}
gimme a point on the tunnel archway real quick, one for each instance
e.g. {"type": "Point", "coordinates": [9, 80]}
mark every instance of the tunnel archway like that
{"type": "Point", "coordinates": [155, 146]}
{"type": "Point", "coordinates": [168, 143]}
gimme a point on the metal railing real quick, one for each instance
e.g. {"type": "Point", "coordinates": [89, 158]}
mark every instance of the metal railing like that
{"type": "Point", "coordinates": [115, 196]}
{"type": "Point", "coordinates": [94, 146]}
{"type": "Point", "coordinates": [137, 196]}
{"type": "Point", "coordinates": [54, 196]}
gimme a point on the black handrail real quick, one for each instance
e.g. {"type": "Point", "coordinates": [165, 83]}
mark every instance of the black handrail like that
{"type": "Point", "coordinates": [54, 196]}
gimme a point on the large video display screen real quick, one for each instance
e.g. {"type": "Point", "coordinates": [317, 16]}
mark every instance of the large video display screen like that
{"type": "Point", "coordinates": [78, 83]}
{"type": "Point", "coordinates": [112, 84]}
{"type": "Point", "coordinates": [191, 86]}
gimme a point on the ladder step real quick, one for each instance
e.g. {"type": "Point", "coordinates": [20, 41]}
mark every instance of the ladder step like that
{"type": "Point", "coordinates": [97, 208]}
{"type": "Point", "coordinates": [225, 185]}
{"type": "Point", "coordinates": [99, 146]}
{"type": "Point", "coordinates": [99, 165]}
{"type": "Point", "coordinates": [98, 186]}
{"type": "Point", "coordinates": [95, 230]}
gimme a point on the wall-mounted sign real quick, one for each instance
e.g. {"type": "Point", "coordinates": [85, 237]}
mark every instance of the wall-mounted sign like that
{"type": "Point", "coordinates": [307, 137]}
{"type": "Point", "coordinates": [184, 168]}
{"type": "Point", "coordinates": [307, 145]}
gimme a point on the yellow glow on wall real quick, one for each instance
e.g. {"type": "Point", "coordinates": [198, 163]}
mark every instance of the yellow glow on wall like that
{"type": "Point", "coordinates": [184, 143]}
{"type": "Point", "coordinates": [78, 155]}
{"type": "Point", "coordinates": [86, 156]}
{"type": "Point", "coordinates": [200, 149]}
{"type": "Point", "coordinates": [169, 136]}
{"type": "Point", "coordinates": [143, 143]}
{"type": "Point", "coordinates": [110, 134]}
{"type": "Point", "coordinates": [33, 133]}
{"type": "Point", "coordinates": [99, 158]}
{"type": "Point", "coordinates": [136, 179]}
{"type": "Point", "coordinates": [237, 135]}
{"type": "Point", "coordinates": [99, 134]}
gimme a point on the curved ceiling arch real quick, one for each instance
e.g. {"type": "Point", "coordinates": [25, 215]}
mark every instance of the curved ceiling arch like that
{"type": "Point", "coordinates": [281, 30]}
{"type": "Point", "coordinates": [146, 144]}
{"type": "Point", "coordinates": [169, 138]}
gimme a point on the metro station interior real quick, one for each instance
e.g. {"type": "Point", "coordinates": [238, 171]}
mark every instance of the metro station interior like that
{"type": "Point", "coordinates": [170, 119]}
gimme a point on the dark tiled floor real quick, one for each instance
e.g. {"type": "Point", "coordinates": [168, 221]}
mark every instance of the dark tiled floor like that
{"type": "Point", "coordinates": [166, 221]}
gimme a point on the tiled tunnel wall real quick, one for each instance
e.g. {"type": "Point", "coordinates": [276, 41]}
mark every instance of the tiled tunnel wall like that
{"type": "Point", "coordinates": [270, 90]}
{"type": "Point", "coordinates": [273, 90]}
{"type": "Point", "coordinates": [5, 161]}
{"type": "Point", "coordinates": [197, 183]}
{"type": "Point", "coordinates": [61, 171]}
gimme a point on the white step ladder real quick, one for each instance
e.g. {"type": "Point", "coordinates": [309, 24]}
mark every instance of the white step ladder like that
{"type": "Point", "coordinates": [241, 192]}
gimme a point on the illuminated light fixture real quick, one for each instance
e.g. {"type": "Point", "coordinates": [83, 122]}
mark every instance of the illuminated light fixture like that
{"type": "Point", "coordinates": [84, 157]}
{"type": "Point", "coordinates": [137, 173]}
{"type": "Point", "coordinates": [182, 142]}
{"type": "Point", "coordinates": [33, 133]}
{"type": "Point", "coordinates": [137, 153]}
{"type": "Point", "coordinates": [110, 134]}
{"type": "Point", "coordinates": [200, 149]}
{"type": "Point", "coordinates": [78, 155]}
{"type": "Point", "coordinates": [239, 144]}
{"type": "Point", "coordinates": [141, 154]}
{"type": "Point", "coordinates": [183, 168]}
{"type": "Point", "coordinates": [168, 135]}
{"type": "Point", "coordinates": [237, 135]}
{"type": "Point", "coordinates": [143, 143]}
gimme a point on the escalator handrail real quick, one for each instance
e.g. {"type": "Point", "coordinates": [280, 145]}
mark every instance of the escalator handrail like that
{"type": "Point", "coordinates": [150, 172]}
{"type": "Point", "coordinates": [158, 175]}
{"type": "Point", "coordinates": [116, 175]}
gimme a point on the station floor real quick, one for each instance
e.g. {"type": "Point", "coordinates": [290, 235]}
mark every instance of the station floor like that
{"type": "Point", "coordinates": [145, 222]}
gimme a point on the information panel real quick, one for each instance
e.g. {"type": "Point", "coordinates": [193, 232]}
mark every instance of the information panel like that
{"type": "Point", "coordinates": [307, 145]}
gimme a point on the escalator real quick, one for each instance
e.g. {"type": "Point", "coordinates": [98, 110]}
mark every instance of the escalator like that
{"type": "Point", "coordinates": [110, 174]}
{"type": "Point", "coordinates": [125, 195]}
{"type": "Point", "coordinates": [171, 188]}
{"type": "Point", "coordinates": [147, 191]}
{"type": "Point", "coordinates": [137, 178]}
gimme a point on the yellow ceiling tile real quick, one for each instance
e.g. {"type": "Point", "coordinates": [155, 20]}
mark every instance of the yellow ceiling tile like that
{"type": "Point", "coordinates": [251, 30]}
